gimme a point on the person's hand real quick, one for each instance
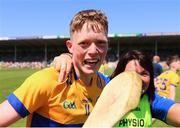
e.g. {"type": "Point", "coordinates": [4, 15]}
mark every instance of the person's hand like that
{"type": "Point", "coordinates": [133, 65]}
{"type": "Point", "coordinates": [63, 64]}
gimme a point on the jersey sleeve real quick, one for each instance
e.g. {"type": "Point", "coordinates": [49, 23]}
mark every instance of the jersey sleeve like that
{"type": "Point", "coordinates": [160, 107]}
{"type": "Point", "coordinates": [31, 95]}
{"type": "Point", "coordinates": [175, 80]}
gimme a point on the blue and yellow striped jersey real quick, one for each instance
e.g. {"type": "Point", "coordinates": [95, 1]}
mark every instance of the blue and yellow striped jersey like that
{"type": "Point", "coordinates": [47, 103]}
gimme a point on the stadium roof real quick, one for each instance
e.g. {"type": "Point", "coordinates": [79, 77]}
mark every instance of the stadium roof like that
{"type": "Point", "coordinates": [126, 35]}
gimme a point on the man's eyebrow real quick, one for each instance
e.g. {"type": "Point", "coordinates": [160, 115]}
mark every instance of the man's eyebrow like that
{"type": "Point", "coordinates": [95, 40]}
{"type": "Point", "coordinates": [100, 40]}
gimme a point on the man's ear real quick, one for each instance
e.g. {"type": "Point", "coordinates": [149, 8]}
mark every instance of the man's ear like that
{"type": "Point", "coordinates": [69, 46]}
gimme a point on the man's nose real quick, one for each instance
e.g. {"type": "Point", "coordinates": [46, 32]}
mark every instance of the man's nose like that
{"type": "Point", "coordinates": [93, 48]}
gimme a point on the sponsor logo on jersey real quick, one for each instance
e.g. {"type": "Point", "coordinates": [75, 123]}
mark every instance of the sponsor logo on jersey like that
{"type": "Point", "coordinates": [69, 105]}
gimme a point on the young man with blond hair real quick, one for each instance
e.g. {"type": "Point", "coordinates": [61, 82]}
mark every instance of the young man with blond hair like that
{"type": "Point", "coordinates": [47, 103]}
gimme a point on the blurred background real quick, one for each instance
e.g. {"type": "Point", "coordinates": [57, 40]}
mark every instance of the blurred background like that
{"type": "Point", "coordinates": [32, 33]}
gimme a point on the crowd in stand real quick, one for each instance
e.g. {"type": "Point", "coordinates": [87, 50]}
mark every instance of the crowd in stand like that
{"type": "Point", "coordinates": [33, 65]}
{"type": "Point", "coordinates": [42, 64]}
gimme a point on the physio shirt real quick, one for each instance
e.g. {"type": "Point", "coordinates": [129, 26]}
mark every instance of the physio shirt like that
{"type": "Point", "coordinates": [139, 117]}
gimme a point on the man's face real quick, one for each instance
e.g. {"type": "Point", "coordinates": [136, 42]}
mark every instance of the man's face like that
{"type": "Point", "coordinates": [89, 49]}
{"type": "Point", "coordinates": [176, 65]}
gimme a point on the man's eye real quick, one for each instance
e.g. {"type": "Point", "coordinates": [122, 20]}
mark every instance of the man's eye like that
{"type": "Point", "coordinates": [83, 44]}
{"type": "Point", "coordinates": [102, 43]}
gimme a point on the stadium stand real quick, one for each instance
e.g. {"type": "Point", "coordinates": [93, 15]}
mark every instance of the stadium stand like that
{"type": "Point", "coordinates": [44, 49]}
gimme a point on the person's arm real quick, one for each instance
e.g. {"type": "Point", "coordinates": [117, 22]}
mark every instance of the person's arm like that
{"type": "Point", "coordinates": [165, 110]}
{"type": "Point", "coordinates": [8, 115]}
{"type": "Point", "coordinates": [173, 116]}
{"type": "Point", "coordinates": [63, 63]}
{"type": "Point", "coordinates": [172, 92]}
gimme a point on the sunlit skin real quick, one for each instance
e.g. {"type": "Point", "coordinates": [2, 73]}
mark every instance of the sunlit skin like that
{"type": "Point", "coordinates": [175, 66]}
{"type": "Point", "coordinates": [89, 48]}
{"type": "Point", "coordinates": [144, 74]}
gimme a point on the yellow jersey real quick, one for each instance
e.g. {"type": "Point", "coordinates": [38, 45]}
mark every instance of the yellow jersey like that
{"type": "Point", "coordinates": [47, 103]}
{"type": "Point", "coordinates": [164, 81]}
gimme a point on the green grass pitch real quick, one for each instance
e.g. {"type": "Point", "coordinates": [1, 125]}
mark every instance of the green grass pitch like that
{"type": "Point", "coordinates": [10, 79]}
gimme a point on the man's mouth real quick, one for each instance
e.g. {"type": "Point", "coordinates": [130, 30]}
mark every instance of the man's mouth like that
{"type": "Point", "coordinates": [91, 61]}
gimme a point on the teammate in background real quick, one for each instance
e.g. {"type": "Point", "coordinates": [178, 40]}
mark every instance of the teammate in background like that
{"type": "Point", "coordinates": [49, 103]}
{"type": "Point", "coordinates": [166, 82]}
{"type": "Point", "coordinates": [156, 66]}
{"type": "Point", "coordinates": [104, 67]}
{"type": "Point", "coordinates": [151, 103]}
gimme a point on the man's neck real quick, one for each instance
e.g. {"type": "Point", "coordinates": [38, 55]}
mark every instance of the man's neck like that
{"type": "Point", "coordinates": [86, 79]}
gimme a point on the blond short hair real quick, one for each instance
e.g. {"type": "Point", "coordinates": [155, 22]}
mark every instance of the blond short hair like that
{"type": "Point", "coordinates": [95, 18]}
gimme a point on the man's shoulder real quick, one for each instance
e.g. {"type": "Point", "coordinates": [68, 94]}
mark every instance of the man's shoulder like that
{"type": "Point", "coordinates": [44, 76]}
{"type": "Point", "coordinates": [49, 72]}
{"type": "Point", "coordinates": [171, 73]}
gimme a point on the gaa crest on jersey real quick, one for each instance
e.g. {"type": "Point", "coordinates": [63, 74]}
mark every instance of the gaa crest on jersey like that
{"type": "Point", "coordinates": [69, 104]}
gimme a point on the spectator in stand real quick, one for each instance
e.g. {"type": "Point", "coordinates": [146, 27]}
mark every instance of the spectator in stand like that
{"type": "Point", "coordinates": [156, 66]}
